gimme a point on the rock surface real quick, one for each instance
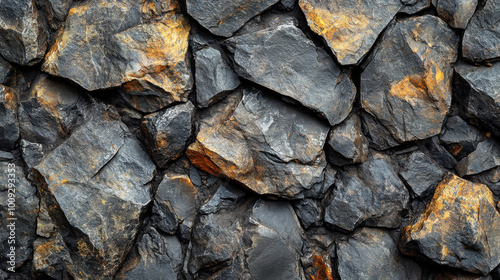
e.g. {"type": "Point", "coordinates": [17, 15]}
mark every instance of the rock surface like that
{"type": "Point", "coordinates": [411, 97]}
{"type": "Point", "coordinates": [485, 157]}
{"type": "Point", "coordinates": [284, 60]}
{"type": "Point", "coordinates": [459, 137]}
{"type": "Point", "coordinates": [421, 173]}
{"type": "Point", "coordinates": [482, 37]}
{"type": "Point", "coordinates": [346, 142]}
{"type": "Point", "coordinates": [349, 27]}
{"type": "Point", "coordinates": [459, 228]}
{"type": "Point", "coordinates": [456, 13]}
{"type": "Point", "coordinates": [256, 145]}
{"type": "Point", "coordinates": [9, 125]}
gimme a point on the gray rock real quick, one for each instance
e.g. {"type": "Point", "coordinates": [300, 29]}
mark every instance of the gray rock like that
{"type": "Point", "coordinates": [107, 44]}
{"type": "Point", "coordinates": [32, 153]}
{"type": "Point", "coordinates": [23, 39]}
{"type": "Point", "coordinates": [6, 156]}
{"type": "Point", "coordinates": [373, 253]}
{"type": "Point", "coordinates": [481, 39]}
{"type": "Point", "coordinates": [438, 152]}
{"type": "Point", "coordinates": [9, 125]}
{"type": "Point", "coordinates": [283, 59]}
{"type": "Point", "coordinates": [225, 18]}
{"type": "Point", "coordinates": [409, 88]}
{"type": "Point", "coordinates": [370, 194]}
{"type": "Point", "coordinates": [349, 27]}
{"type": "Point", "coordinates": [309, 211]}
{"type": "Point", "coordinates": [144, 98]}
{"type": "Point", "coordinates": [157, 257]}
{"type": "Point", "coordinates": [485, 157]}
{"type": "Point", "coordinates": [380, 138]}
{"type": "Point", "coordinates": [346, 142]}
{"type": "Point", "coordinates": [287, 5]}
{"type": "Point", "coordinates": [479, 90]}
{"type": "Point", "coordinates": [414, 6]}
{"type": "Point", "coordinates": [421, 173]}
{"type": "Point", "coordinates": [167, 132]}
{"type": "Point", "coordinates": [225, 197]}
{"type": "Point", "coordinates": [18, 213]}
{"type": "Point", "coordinates": [264, 144]}
{"type": "Point", "coordinates": [456, 13]}
{"type": "Point", "coordinates": [214, 77]}
{"type": "Point", "coordinates": [459, 137]}
{"type": "Point", "coordinates": [99, 169]}
{"type": "Point", "coordinates": [5, 70]}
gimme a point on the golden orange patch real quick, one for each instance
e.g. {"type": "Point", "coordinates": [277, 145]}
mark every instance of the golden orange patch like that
{"type": "Point", "coordinates": [323, 271]}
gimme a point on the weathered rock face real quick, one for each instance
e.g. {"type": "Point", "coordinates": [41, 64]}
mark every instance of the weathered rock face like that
{"type": "Point", "coordinates": [373, 253]}
{"type": "Point", "coordinates": [223, 18]}
{"type": "Point", "coordinates": [459, 228]}
{"type": "Point", "coordinates": [459, 137]}
{"type": "Point", "coordinates": [414, 6]}
{"type": "Point", "coordinates": [255, 143]}
{"type": "Point", "coordinates": [421, 173]}
{"type": "Point", "coordinates": [167, 132]}
{"type": "Point", "coordinates": [482, 37]}
{"type": "Point", "coordinates": [409, 88]}
{"type": "Point", "coordinates": [479, 88]}
{"type": "Point", "coordinates": [485, 157]}
{"type": "Point", "coordinates": [349, 27]}
{"type": "Point", "coordinates": [98, 169]}
{"type": "Point", "coordinates": [9, 125]}
{"type": "Point", "coordinates": [370, 194]}
{"type": "Point", "coordinates": [456, 13]}
{"type": "Point", "coordinates": [346, 142]}
{"type": "Point", "coordinates": [124, 46]}
{"type": "Point", "coordinates": [284, 60]}
{"type": "Point", "coordinates": [23, 39]}
{"type": "Point", "coordinates": [214, 77]}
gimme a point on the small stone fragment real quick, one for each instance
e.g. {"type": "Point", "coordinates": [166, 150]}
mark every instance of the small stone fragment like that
{"type": "Point", "coordinates": [414, 6]}
{"type": "Point", "coordinates": [380, 138]}
{"type": "Point", "coordinates": [479, 90]}
{"type": "Point", "coordinates": [5, 70]}
{"type": "Point", "coordinates": [373, 253]}
{"type": "Point", "coordinates": [481, 39]}
{"type": "Point", "coordinates": [214, 77]}
{"type": "Point", "coordinates": [459, 137]}
{"type": "Point", "coordinates": [407, 83]}
{"type": "Point", "coordinates": [485, 157]}
{"type": "Point", "coordinates": [9, 125]}
{"type": "Point", "coordinates": [23, 39]}
{"type": "Point", "coordinates": [456, 13]}
{"type": "Point", "coordinates": [167, 132]}
{"type": "Point", "coordinates": [421, 173]}
{"type": "Point", "coordinates": [309, 211]}
{"type": "Point", "coordinates": [346, 142]}
{"type": "Point", "coordinates": [349, 27]}
{"type": "Point", "coordinates": [370, 194]}
{"type": "Point", "coordinates": [459, 228]}
{"type": "Point", "coordinates": [284, 60]}
{"type": "Point", "coordinates": [223, 18]}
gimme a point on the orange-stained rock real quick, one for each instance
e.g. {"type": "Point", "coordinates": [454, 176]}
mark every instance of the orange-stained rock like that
{"type": "Point", "coordinates": [9, 125]}
{"type": "Point", "coordinates": [349, 27]}
{"type": "Point", "coordinates": [407, 82]}
{"type": "Point", "coordinates": [459, 228]}
{"type": "Point", "coordinates": [111, 42]}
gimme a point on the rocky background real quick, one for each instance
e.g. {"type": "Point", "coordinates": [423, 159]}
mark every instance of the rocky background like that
{"type": "Point", "coordinates": [250, 139]}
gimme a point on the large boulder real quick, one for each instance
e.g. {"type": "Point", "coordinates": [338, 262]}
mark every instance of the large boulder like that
{"type": "Point", "coordinates": [407, 82]}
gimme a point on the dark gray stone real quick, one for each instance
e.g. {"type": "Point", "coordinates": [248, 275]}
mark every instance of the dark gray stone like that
{"type": "Point", "coordinates": [225, 197]}
{"type": "Point", "coordinates": [438, 152]}
{"type": "Point", "coordinates": [32, 153]}
{"type": "Point", "coordinates": [456, 13]}
{"type": "Point", "coordinates": [23, 39]}
{"type": "Point", "coordinates": [5, 70]}
{"type": "Point", "coordinates": [414, 6]}
{"type": "Point", "coordinates": [407, 81]}
{"type": "Point", "coordinates": [459, 137]}
{"type": "Point", "coordinates": [482, 37]}
{"type": "Point", "coordinates": [283, 59]}
{"type": "Point", "coordinates": [346, 142]}
{"type": "Point", "coordinates": [9, 125]}
{"type": "Point", "coordinates": [479, 90]}
{"type": "Point", "coordinates": [421, 173]}
{"type": "Point", "coordinates": [380, 138]}
{"type": "Point", "coordinates": [167, 132]}
{"type": "Point", "coordinates": [214, 77]}
{"type": "Point", "coordinates": [309, 211]}
{"type": "Point", "coordinates": [485, 157]}
{"type": "Point", "coordinates": [370, 194]}
{"type": "Point", "coordinates": [223, 18]}
{"type": "Point", "coordinates": [6, 156]}
{"type": "Point", "coordinates": [373, 253]}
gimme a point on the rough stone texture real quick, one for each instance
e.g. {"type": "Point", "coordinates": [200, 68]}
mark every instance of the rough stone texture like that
{"type": "Point", "coordinates": [9, 125]}
{"type": "Point", "coordinates": [459, 228]}
{"type": "Point", "coordinates": [370, 194]}
{"type": "Point", "coordinates": [223, 18]}
{"type": "Point", "coordinates": [346, 142]}
{"type": "Point", "coordinates": [349, 27]}
{"type": "Point", "coordinates": [456, 13]}
{"type": "Point", "coordinates": [373, 253]}
{"type": "Point", "coordinates": [24, 212]}
{"type": "Point", "coordinates": [167, 132]}
{"type": "Point", "coordinates": [309, 211]}
{"type": "Point", "coordinates": [414, 6]}
{"type": "Point", "coordinates": [122, 47]}
{"type": "Point", "coordinates": [380, 138]}
{"type": "Point", "coordinates": [284, 60]}
{"type": "Point", "coordinates": [485, 157]}
{"type": "Point", "coordinates": [214, 77]}
{"type": "Point", "coordinates": [256, 143]}
{"type": "Point", "coordinates": [479, 90]}
{"type": "Point", "coordinates": [409, 88]}
{"type": "Point", "coordinates": [98, 169]}
{"type": "Point", "coordinates": [481, 39]}
{"type": "Point", "coordinates": [5, 70]}
{"type": "Point", "coordinates": [23, 40]}
{"type": "Point", "coordinates": [459, 137]}
{"type": "Point", "coordinates": [421, 173]}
